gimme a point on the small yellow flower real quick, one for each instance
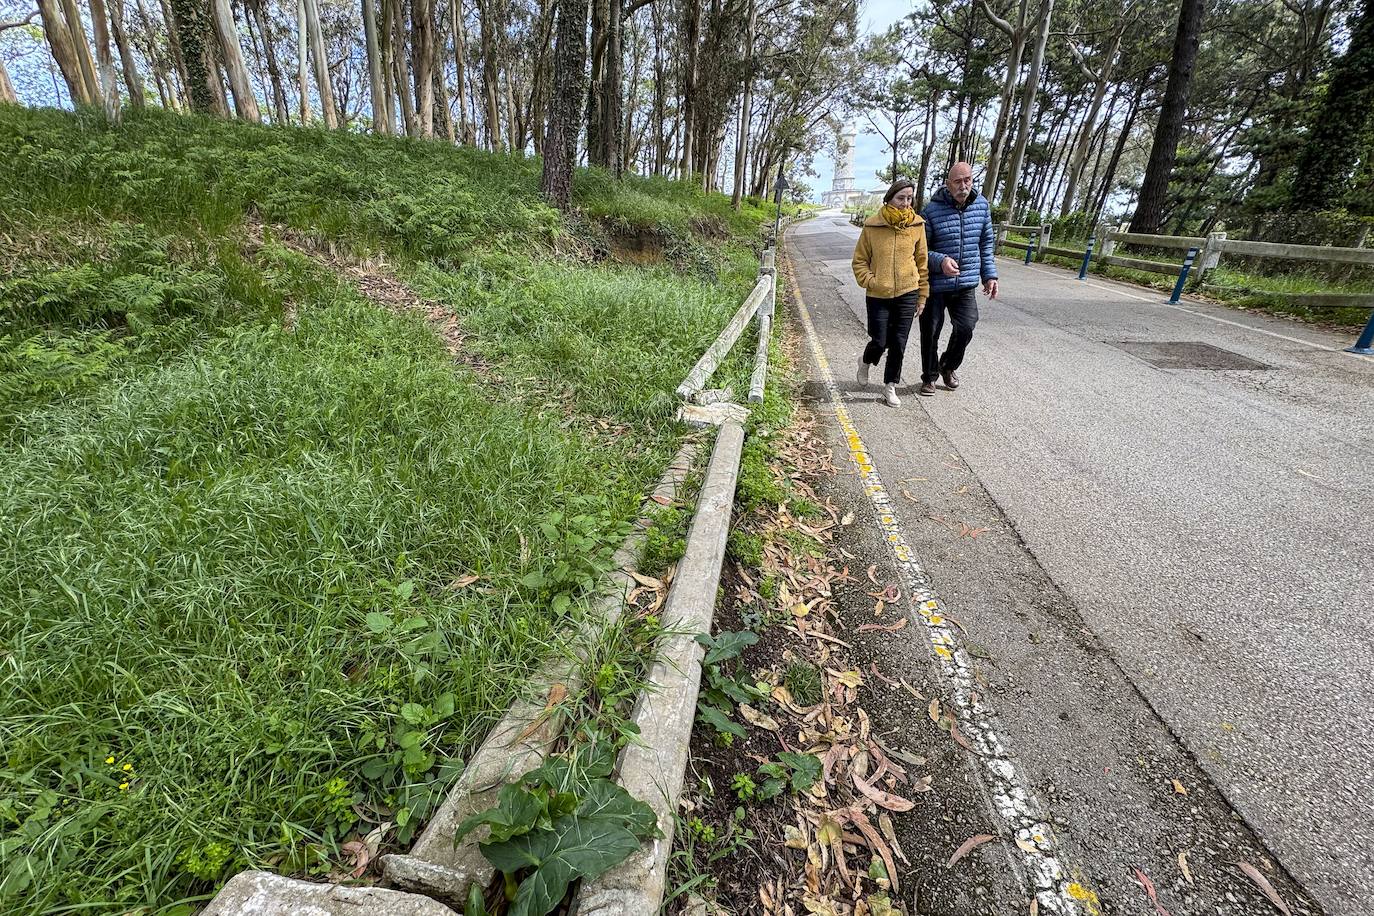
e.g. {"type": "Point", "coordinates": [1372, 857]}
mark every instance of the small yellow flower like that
{"type": "Point", "coordinates": [109, 760]}
{"type": "Point", "coordinates": [128, 767]}
{"type": "Point", "coordinates": [123, 787]}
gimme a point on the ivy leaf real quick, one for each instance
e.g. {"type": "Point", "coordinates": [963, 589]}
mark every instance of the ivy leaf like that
{"type": "Point", "coordinates": [806, 769]}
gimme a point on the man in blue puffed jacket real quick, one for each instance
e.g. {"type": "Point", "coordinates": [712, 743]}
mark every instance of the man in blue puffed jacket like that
{"type": "Point", "coordinates": [960, 238]}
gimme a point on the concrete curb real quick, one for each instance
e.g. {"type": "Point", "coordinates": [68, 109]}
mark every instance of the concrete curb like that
{"type": "Point", "coordinates": [652, 769]}
{"type": "Point", "coordinates": [261, 893]}
{"type": "Point", "coordinates": [518, 743]}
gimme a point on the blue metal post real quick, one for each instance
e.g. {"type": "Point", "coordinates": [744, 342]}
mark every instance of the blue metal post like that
{"type": "Point", "coordinates": [1087, 256]}
{"type": "Point", "coordinates": [1365, 345]}
{"type": "Point", "coordinates": [1030, 247]}
{"type": "Point", "coordinates": [1183, 275]}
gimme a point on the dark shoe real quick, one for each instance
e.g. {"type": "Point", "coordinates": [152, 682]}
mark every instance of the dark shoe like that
{"type": "Point", "coordinates": [927, 390]}
{"type": "Point", "coordinates": [951, 378]}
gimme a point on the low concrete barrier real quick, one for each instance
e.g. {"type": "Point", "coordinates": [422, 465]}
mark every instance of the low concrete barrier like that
{"type": "Point", "coordinates": [652, 769]}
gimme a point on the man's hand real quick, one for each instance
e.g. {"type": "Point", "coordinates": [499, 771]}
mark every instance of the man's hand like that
{"type": "Point", "coordinates": [990, 287]}
{"type": "Point", "coordinates": [949, 267]}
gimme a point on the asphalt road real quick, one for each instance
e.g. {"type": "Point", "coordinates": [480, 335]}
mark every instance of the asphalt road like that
{"type": "Point", "coordinates": [1172, 580]}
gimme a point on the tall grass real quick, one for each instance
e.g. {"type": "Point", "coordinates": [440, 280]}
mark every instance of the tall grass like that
{"type": "Point", "coordinates": [238, 615]}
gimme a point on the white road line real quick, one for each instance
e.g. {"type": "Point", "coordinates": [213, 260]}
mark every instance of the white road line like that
{"type": "Point", "coordinates": [1238, 324]}
{"type": "Point", "coordinates": [1011, 797]}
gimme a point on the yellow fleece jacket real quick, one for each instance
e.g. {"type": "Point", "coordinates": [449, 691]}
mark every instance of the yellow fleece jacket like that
{"type": "Point", "coordinates": [891, 262]}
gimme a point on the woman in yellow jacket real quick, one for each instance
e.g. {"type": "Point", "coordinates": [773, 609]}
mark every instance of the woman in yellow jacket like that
{"type": "Point", "coordinates": [890, 264]}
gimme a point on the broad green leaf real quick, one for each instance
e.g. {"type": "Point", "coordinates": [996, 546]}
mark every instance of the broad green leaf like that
{"type": "Point", "coordinates": [517, 811]}
{"type": "Point", "coordinates": [728, 645]}
{"type": "Point", "coordinates": [378, 622]}
{"type": "Point", "coordinates": [414, 713]}
{"type": "Point", "coordinates": [607, 801]}
{"type": "Point", "coordinates": [806, 769]}
{"type": "Point", "coordinates": [574, 848]}
{"type": "Point", "coordinates": [720, 722]}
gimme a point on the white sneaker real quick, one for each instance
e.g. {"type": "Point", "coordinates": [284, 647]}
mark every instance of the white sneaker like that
{"type": "Point", "coordinates": [862, 374]}
{"type": "Point", "coordinates": [890, 396]}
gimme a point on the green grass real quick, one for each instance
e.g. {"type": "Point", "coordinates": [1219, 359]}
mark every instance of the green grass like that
{"type": "Point", "coordinates": [229, 543]}
{"type": "Point", "coordinates": [1265, 291]}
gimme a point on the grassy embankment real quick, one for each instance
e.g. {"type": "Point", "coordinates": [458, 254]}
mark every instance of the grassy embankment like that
{"type": "Point", "coordinates": [1247, 288]}
{"type": "Point", "coordinates": [271, 560]}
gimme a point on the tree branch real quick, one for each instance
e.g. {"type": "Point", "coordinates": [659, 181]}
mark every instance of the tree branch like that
{"type": "Point", "coordinates": [4, 26]}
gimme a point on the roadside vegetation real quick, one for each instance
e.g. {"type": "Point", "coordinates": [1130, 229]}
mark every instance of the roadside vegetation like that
{"type": "Point", "coordinates": [273, 555]}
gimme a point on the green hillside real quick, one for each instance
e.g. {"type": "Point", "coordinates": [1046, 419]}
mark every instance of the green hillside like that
{"type": "Point", "coordinates": [242, 503]}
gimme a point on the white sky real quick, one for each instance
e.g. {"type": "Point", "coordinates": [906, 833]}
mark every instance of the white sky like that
{"type": "Point", "coordinates": [870, 153]}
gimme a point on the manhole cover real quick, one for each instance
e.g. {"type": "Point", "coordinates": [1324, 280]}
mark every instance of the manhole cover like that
{"type": "Point", "coordinates": [1185, 354]}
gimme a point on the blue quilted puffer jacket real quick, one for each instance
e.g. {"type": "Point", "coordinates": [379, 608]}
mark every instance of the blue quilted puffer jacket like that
{"type": "Point", "coordinates": [965, 235]}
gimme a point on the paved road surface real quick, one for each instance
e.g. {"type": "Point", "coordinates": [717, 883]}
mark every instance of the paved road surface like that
{"type": "Point", "coordinates": [1178, 567]}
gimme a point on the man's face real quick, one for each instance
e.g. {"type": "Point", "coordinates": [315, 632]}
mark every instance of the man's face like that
{"type": "Point", "coordinates": [960, 182]}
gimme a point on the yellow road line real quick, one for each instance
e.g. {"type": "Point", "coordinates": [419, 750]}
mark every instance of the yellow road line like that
{"type": "Point", "coordinates": [1008, 793]}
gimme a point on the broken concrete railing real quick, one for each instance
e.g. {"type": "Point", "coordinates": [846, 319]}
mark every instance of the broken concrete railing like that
{"type": "Point", "coordinates": [437, 871]}
{"type": "Point", "coordinates": [652, 768]}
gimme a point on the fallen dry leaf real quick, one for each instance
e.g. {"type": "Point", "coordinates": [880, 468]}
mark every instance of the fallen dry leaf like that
{"type": "Point", "coordinates": [795, 839]}
{"type": "Point", "coordinates": [1179, 788]}
{"type": "Point", "coordinates": [934, 711]}
{"type": "Point", "coordinates": [1149, 886]}
{"type": "Point", "coordinates": [647, 581]}
{"type": "Point", "coordinates": [968, 846]}
{"type": "Point", "coordinates": [758, 719]}
{"type": "Point", "coordinates": [463, 581]}
{"type": "Point", "coordinates": [847, 678]}
{"type": "Point", "coordinates": [358, 856]}
{"type": "Point", "coordinates": [662, 500]}
{"type": "Point", "coordinates": [889, 628]}
{"type": "Point", "coordinates": [1265, 887]}
{"type": "Point", "coordinates": [848, 519]}
{"type": "Point", "coordinates": [1183, 867]}
{"type": "Point", "coordinates": [880, 798]}
{"type": "Point", "coordinates": [911, 690]}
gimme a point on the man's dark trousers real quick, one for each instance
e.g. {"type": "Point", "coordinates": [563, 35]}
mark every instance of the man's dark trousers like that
{"type": "Point", "coordinates": [889, 323]}
{"type": "Point", "coordinates": [963, 313]}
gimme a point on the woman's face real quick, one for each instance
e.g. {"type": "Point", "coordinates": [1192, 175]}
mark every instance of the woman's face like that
{"type": "Point", "coordinates": [903, 198]}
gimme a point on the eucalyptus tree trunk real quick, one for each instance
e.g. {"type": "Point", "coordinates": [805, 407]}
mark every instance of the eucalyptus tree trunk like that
{"type": "Point", "coordinates": [245, 103]}
{"type": "Point", "coordinates": [1080, 153]}
{"type": "Point", "coordinates": [173, 42]}
{"type": "Point", "coordinates": [1017, 34]}
{"type": "Point", "coordinates": [83, 50]}
{"type": "Point", "coordinates": [381, 120]}
{"type": "Point", "coordinates": [202, 74]}
{"type": "Point", "coordinates": [422, 54]}
{"type": "Point", "coordinates": [302, 61]}
{"type": "Point", "coordinates": [132, 80]}
{"type": "Point", "coordinates": [745, 110]}
{"type": "Point", "coordinates": [109, 88]}
{"type": "Point", "coordinates": [319, 54]}
{"type": "Point", "coordinates": [280, 106]}
{"type": "Point", "coordinates": [63, 45]}
{"type": "Point", "coordinates": [460, 55]}
{"type": "Point", "coordinates": [1028, 93]}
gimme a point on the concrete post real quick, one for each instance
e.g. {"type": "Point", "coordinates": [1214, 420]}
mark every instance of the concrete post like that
{"type": "Point", "coordinates": [1044, 242]}
{"type": "Point", "coordinates": [1109, 240]}
{"type": "Point", "coordinates": [1211, 255]}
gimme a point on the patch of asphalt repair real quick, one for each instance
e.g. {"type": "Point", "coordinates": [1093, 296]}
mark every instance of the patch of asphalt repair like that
{"type": "Point", "coordinates": [1118, 789]}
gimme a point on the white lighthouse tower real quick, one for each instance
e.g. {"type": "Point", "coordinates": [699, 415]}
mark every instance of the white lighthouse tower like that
{"type": "Point", "coordinates": [842, 190]}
